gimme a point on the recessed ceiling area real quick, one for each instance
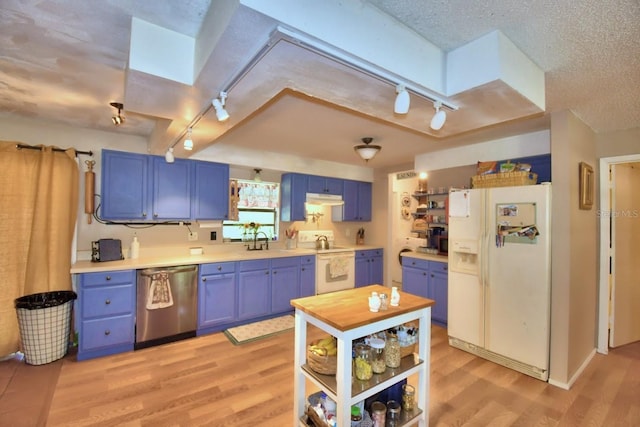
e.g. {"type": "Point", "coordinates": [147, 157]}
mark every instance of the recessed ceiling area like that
{"type": "Point", "coordinates": [66, 61]}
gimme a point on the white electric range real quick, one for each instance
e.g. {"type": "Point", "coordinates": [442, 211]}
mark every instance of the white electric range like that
{"type": "Point", "coordinates": [335, 266]}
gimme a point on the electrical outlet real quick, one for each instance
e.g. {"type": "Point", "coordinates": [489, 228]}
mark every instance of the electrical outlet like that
{"type": "Point", "coordinates": [193, 236]}
{"type": "Point", "coordinates": [214, 235]}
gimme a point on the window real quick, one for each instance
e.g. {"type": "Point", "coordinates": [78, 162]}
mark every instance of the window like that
{"type": "Point", "coordinates": [258, 203]}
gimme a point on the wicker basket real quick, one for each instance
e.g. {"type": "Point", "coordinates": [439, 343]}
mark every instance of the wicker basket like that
{"type": "Point", "coordinates": [322, 364]}
{"type": "Point", "coordinates": [504, 179]}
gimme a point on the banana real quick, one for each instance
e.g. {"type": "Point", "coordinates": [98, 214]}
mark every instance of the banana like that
{"type": "Point", "coordinates": [325, 341]}
{"type": "Point", "coordinates": [332, 352]}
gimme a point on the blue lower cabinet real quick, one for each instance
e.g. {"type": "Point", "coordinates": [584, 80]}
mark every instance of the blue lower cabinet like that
{"type": "Point", "coordinates": [217, 296]}
{"type": "Point", "coordinates": [369, 268]}
{"type": "Point", "coordinates": [105, 313]}
{"type": "Point", "coordinates": [307, 276]}
{"type": "Point", "coordinates": [254, 289]}
{"type": "Point", "coordinates": [428, 279]}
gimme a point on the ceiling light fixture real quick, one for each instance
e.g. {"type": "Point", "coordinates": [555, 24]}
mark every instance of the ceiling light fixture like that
{"type": "Point", "coordinates": [438, 119]}
{"type": "Point", "coordinates": [366, 151]}
{"type": "Point", "coordinates": [117, 120]}
{"type": "Point", "coordinates": [218, 105]}
{"type": "Point", "coordinates": [257, 177]}
{"type": "Point", "coordinates": [168, 156]}
{"type": "Point", "coordinates": [403, 101]}
{"type": "Point", "coordinates": [188, 142]}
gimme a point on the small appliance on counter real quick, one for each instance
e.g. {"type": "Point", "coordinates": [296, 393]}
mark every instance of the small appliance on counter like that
{"type": "Point", "coordinates": [106, 250]}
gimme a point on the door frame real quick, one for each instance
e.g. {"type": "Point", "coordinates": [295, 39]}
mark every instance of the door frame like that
{"type": "Point", "coordinates": [605, 237]}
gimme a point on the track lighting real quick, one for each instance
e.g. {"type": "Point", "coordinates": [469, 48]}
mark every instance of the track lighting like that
{"type": "Point", "coordinates": [117, 120]}
{"type": "Point", "coordinates": [218, 104]}
{"type": "Point", "coordinates": [257, 177]}
{"type": "Point", "coordinates": [403, 100]}
{"type": "Point", "coordinates": [168, 156]}
{"type": "Point", "coordinates": [439, 117]}
{"type": "Point", "coordinates": [366, 151]}
{"type": "Point", "coordinates": [188, 142]}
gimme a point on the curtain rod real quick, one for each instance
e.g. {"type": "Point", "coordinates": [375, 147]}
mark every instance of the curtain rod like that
{"type": "Point", "coordinates": [31, 147]}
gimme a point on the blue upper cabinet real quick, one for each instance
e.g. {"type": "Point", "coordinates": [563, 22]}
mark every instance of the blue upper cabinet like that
{"type": "Point", "coordinates": [171, 189]}
{"type": "Point", "coordinates": [138, 187]}
{"type": "Point", "coordinates": [124, 194]}
{"type": "Point", "coordinates": [211, 191]}
{"type": "Point", "coordinates": [293, 193]}
{"type": "Point", "coordinates": [324, 185]}
{"type": "Point", "coordinates": [357, 202]}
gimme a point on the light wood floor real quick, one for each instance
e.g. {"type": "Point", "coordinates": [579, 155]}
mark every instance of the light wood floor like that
{"type": "Point", "coordinates": [209, 381]}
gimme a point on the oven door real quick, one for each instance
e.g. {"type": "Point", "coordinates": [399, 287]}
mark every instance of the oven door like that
{"type": "Point", "coordinates": [335, 271]}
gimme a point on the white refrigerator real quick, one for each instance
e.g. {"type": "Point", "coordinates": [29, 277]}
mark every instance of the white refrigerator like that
{"type": "Point", "coordinates": [500, 275]}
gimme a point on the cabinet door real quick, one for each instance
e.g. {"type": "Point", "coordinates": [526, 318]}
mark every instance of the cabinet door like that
{"type": "Point", "coordinates": [254, 293]}
{"type": "Point", "coordinates": [124, 193]}
{"type": "Point", "coordinates": [171, 189]}
{"type": "Point", "coordinates": [415, 281]}
{"type": "Point", "coordinates": [307, 276]}
{"type": "Point", "coordinates": [376, 268]}
{"type": "Point", "coordinates": [293, 194]}
{"type": "Point", "coordinates": [350, 197]}
{"type": "Point", "coordinates": [364, 201]}
{"type": "Point", "coordinates": [284, 287]}
{"type": "Point", "coordinates": [357, 202]}
{"type": "Point", "coordinates": [362, 276]}
{"type": "Point", "coordinates": [217, 299]}
{"type": "Point", "coordinates": [439, 293]}
{"type": "Point", "coordinates": [211, 191]}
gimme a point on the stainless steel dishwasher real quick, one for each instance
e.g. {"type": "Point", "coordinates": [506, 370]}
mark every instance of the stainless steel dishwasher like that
{"type": "Point", "coordinates": [167, 305]}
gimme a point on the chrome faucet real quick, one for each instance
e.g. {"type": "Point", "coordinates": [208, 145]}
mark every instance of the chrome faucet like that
{"type": "Point", "coordinates": [255, 242]}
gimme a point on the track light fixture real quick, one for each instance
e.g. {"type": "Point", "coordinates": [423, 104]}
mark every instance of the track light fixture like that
{"type": "Point", "coordinates": [117, 120]}
{"type": "Point", "coordinates": [403, 101]}
{"type": "Point", "coordinates": [438, 119]}
{"type": "Point", "coordinates": [188, 142]}
{"type": "Point", "coordinates": [168, 156]}
{"type": "Point", "coordinates": [257, 177]}
{"type": "Point", "coordinates": [366, 151]}
{"type": "Point", "coordinates": [218, 105]}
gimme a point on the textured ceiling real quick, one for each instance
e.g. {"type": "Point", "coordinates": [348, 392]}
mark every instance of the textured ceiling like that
{"type": "Point", "coordinates": [65, 60]}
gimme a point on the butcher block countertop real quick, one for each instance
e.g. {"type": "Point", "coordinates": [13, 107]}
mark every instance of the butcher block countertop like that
{"type": "Point", "coordinates": [349, 309]}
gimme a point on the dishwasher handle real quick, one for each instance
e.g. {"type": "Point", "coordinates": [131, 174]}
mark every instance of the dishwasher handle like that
{"type": "Point", "coordinates": [170, 270]}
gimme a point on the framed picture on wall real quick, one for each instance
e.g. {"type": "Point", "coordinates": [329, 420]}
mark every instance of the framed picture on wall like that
{"type": "Point", "coordinates": [587, 186]}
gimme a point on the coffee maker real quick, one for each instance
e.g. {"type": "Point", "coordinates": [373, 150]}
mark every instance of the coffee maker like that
{"type": "Point", "coordinates": [433, 234]}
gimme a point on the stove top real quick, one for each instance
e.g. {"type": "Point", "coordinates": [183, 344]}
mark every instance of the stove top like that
{"type": "Point", "coordinates": [307, 240]}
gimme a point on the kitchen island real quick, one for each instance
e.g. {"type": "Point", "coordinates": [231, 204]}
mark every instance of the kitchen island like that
{"type": "Point", "coordinates": [346, 316]}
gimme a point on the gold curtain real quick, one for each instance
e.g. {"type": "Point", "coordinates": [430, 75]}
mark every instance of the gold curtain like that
{"type": "Point", "coordinates": [38, 210]}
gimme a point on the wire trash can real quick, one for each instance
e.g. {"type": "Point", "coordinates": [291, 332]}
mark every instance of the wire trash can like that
{"type": "Point", "coordinates": [44, 320]}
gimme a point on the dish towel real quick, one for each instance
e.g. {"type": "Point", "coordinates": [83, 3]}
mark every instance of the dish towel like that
{"type": "Point", "coordinates": [338, 266]}
{"type": "Point", "coordinates": [159, 295]}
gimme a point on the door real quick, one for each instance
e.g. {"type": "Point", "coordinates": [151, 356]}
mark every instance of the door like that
{"type": "Point", "coordinates": [465, 289]}
{"type": "Point", "coordinates": [625, 279]}
{"type": "Point", "coordinates": [517, 275]}
{"type": "Point", "coordinates": [171, 189]}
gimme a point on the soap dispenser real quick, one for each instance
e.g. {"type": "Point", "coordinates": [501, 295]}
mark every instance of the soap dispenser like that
{"type": "Point", "coordinates": [134, 251]}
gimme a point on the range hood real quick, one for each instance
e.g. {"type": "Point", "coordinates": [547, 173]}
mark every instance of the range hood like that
{"type": "Point", "coordinates": [324, 199]}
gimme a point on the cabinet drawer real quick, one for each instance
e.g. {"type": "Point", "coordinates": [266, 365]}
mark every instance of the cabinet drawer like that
{"type": "Point", "coordinates": [107, 301]}
{"type": "Point", "coordinates": [285, 262]}
{"type": "Point", "coordinates": [438, 267]}
{"type": "Point", "coordinates": [106, 332]}
{"type": "Point", "coordinates": [257, 264]}
{"type": "Point", "coordinates": [307, 260]}
{"type": "Point", "coordinates": [217, 267]}
{"type": "Point", "coordinates": [108, 278]}
{"type": "Point", "coordinates": [415, 262]}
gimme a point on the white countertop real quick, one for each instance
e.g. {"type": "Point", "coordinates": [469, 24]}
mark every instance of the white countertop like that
{"type": "Point", "coordinates": [184, 258]}
{"type": "Point", "coordinates": [429, 257]}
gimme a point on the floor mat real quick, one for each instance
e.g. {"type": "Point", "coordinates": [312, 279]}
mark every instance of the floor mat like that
{"type": "Point", "coordinates": [258, 330]}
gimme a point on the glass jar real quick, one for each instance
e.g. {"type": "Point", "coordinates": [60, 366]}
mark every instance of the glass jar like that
{"type": "Point", "coordinates": [393, 413]}
{"type": "Point", "coordinates": [356, 416]}
{"type": "Point", "coordinates": [378, 414]}
{"type": "Point", "coordinates": [392, 352]}
{"type": "Point", "coordinates": [408, 397]}
{"type": "Point", "coordinates": [378, 363]}
{"type": "Point", "coordinates": [363, 362]}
